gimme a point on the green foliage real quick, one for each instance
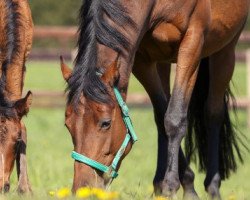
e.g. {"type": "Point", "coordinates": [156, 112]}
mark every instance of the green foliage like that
{"type": "Point", "coordinates": [55, 12]}
{"type": "Point", "coordinates": [61, 12]}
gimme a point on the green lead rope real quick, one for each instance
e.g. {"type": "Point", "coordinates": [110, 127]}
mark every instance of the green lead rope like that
{"type": "Point", "coordinates": [111, 170]}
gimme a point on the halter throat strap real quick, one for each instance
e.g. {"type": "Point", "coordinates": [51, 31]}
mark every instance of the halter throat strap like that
{"type": "Point", "coordinates": [111, 170]}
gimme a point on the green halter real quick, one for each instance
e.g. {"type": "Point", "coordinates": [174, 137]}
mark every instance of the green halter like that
{"type": "Point", "coordinates": [111, 170]}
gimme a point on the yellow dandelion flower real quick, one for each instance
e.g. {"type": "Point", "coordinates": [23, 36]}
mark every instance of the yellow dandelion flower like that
{"type": "Point", "coordinates": [96, 191]}
{"type": "Point", "coordinates": [107, 195]}
{"type": "Point", "coordinates": [83, 192]}
{"type": "Point", "coordinates": [161, 198]}
{"type": "Point", "coordinates": [52, 193]}
{"type": "Point", "coordinates": [102, 194]}
{"type": "Point", "coordinates": [113, 195]}
{"type": "Point", "coordinates": [232, 197]}
{"type": "Point", "coordinates": [62, 193]}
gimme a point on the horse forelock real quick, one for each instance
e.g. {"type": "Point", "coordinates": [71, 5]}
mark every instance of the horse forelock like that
{"type": "Point", "coordinates": [95, 29]}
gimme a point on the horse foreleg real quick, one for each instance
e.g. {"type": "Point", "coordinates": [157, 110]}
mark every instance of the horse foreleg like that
{"type": "Point", "coordinates": [176, 116]}
{"type": "Point", "coordinates": [21, 161]}
{"type": "Point", "coordinates": [147, 75]}
{"type": "Point", "coordinates": [186, 175]}
{"type": "Point", "coordinates": [159, 93]}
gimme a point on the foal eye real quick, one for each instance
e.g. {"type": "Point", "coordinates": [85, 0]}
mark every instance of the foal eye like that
{"type": "Point", "coordinates": [105, 124]}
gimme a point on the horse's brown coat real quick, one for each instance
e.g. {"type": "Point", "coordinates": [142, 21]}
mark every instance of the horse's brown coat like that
{"type": "Point", "coordinates": [14, 129]}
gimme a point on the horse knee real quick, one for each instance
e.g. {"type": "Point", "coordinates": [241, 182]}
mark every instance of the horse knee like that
{"type": "Point", "coordinates": [175, 125]}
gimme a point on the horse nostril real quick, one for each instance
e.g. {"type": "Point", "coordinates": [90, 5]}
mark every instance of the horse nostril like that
{"type": "Point", "coordinates": [6, 187]}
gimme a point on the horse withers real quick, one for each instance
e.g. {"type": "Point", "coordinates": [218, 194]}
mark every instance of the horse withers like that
{"type": "Point", "coordinates": [16, 31]}
{"type": "Point", "coordinates": [145, 37]}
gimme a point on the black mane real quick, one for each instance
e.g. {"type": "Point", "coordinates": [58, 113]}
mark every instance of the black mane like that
{"type": "Point", "coordinates": [94, 29]}
{"type": "Point", "coordinates": [10, 50]}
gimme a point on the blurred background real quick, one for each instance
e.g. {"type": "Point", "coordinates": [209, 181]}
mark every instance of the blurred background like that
{"type": "Point", "coordinates": [49, 144]}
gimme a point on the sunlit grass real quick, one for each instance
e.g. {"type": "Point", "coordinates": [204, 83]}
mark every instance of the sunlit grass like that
{"type": "Point", "coordinates": [51, 167]}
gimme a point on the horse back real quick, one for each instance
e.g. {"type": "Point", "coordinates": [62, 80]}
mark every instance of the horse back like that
{"type": "Point", "coordinates": [226, 19]}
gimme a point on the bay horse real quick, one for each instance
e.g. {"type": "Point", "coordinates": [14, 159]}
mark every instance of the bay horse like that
{"type": "Point", "coordinates": [117, 37]}
{"type": "Point", "coordinates": [16, 32]}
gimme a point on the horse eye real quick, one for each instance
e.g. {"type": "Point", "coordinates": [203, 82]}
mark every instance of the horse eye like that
{"type": "Point", "coordinates": [105, 124]}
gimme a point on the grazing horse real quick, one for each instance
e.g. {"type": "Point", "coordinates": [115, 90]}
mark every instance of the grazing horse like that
{"type": "Point", "coordinates": [117, 37]}
{"type": "Point", "coordinates": [16, 32]}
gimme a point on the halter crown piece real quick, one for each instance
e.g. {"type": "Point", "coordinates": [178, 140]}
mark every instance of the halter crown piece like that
{"type": "Point", "coordinates": [111, 170]}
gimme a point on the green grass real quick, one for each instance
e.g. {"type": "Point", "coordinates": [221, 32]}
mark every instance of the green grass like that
{"type": "Point", "coordinates": [47, 76]}
{"type": "Point", "coordinates": [50, 165]}
{"type": "Point", "coordinates": [44, 76]}
{"type": "Point", "coordinates": [49, 146]}
{"type": "Point", "coordinates": [239, 80]}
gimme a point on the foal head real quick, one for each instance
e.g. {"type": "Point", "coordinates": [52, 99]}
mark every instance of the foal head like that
{"type": "Point", "coordinates": [97, 130]}
{"type": "Point", "coordinates": [11, 132]}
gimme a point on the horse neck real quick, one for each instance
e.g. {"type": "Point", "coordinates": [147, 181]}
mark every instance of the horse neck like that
{"type": "Point", "coordinates": [14, 43]}
{"type": "Point", "coordinates": [142, 21]}
{"type": "Point", "coordinates": [15, 80]}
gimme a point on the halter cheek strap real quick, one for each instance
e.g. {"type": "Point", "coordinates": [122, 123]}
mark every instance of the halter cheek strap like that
{"type": "Point", "coordinates": [111, 170]}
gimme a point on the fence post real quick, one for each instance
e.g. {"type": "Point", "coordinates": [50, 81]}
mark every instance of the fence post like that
{"type": "Point", "coordinates": [248, 86]}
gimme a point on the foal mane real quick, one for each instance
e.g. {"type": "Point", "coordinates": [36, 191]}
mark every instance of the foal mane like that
{"type": "Point", "coordinates": [94, 28]}
{"type": "Point", "coordinates": [10, 50]}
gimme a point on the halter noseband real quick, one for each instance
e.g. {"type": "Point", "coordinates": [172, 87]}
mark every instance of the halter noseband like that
{"type": "Point", "coordinates": [111, 170]}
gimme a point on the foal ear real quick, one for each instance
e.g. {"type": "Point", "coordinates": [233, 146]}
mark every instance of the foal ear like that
{"type": "Point", "coordinates": [111, 73]}
{"type": "Point", "coordinates": [22, 106]}
{"type": "Point", "coordinates": [66, 71]}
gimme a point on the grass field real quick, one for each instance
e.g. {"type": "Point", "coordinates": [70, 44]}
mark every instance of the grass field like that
{"type": "Point", "coordinates": [50, 166]}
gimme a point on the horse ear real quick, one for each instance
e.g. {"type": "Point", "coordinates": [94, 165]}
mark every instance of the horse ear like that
{"type": "Point", "coordinates": [111, 73]}
{"type": "Point", "coordinates": [66, 71]}
{"type": "Point", "coordinates": [22, 106]}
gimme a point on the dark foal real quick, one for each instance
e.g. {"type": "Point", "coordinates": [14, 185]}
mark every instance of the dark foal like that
{"type": "Point", "coordinates": [16, 30]}
{"type": "Point", "coordinates": [146, 36]}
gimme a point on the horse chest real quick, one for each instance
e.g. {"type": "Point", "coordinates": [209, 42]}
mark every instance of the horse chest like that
{"type": "Point", "coordinates": [162, 43]}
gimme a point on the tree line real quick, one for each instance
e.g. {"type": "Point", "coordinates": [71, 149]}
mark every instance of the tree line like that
{"type": "Point", "coordinates": [55, 12]}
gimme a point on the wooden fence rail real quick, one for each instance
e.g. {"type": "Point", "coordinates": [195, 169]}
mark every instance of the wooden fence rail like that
{"type": "Point", "coordinates": [70, 32]}
{"type": "Point", "coordinates": [57, 99]}
{"type": "Point", "coordinates": [65, 34]}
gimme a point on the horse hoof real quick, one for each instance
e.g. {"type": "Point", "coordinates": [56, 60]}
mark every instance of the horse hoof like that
{"type": "Point", "coordinates": [213, 193]}
{"type": "Point", "coordinates": [24, 190]}
{"type": "Point", "coordinates": [158, 188]}
{"type": "Point", "coordinates": [190, 195]}
{"type": "Point", "coordinates": [213, 189]}
{"type": "Point", "coordinates": [170, 186]}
